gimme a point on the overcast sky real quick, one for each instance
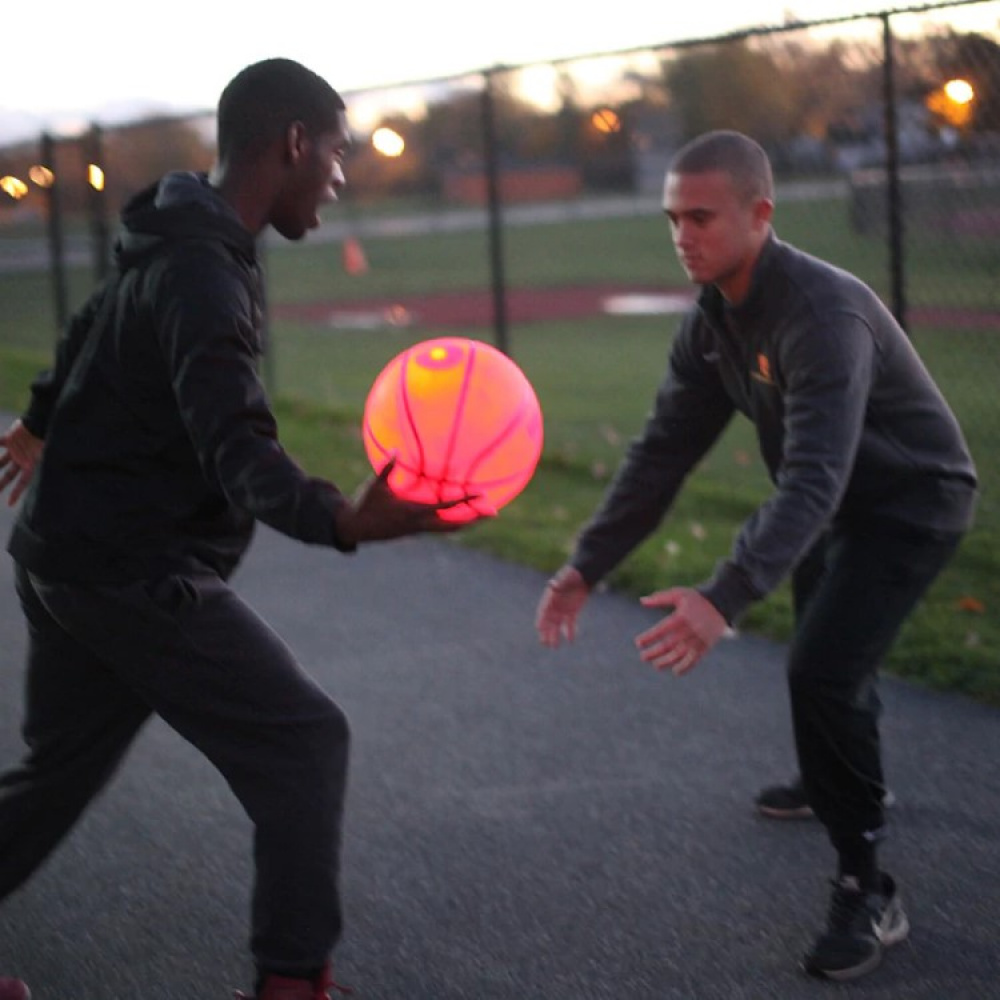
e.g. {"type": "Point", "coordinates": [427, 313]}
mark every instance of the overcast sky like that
{"type": "Point", "coordinates": [113, 61]}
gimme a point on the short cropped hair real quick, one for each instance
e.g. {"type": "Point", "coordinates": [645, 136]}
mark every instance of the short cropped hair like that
{"type": "Point", "coordinates": [733, 153]}
{"type": "Point", "coordinates": [262, 100]}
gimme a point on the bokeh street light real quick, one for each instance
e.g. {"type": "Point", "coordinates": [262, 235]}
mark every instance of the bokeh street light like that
{"type": "Point", "coordinates": [953, 102]}
{"type": "Point", "coordinates": [606, 120]}
{"type": "Point", "coordinates": [41, 176]}
{"type": "Point", "coordinates": [13, 187]}
{"type": "Point", "coordinates": [388, 142]}
{"type": "Point", "coordinates": [959, 91]}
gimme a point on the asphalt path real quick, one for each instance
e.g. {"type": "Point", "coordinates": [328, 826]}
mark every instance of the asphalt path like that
{"type": "Point", "coordinates": [523, 824]}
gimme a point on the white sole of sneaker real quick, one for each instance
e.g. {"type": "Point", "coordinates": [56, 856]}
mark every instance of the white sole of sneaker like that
{"type": "Point", "coordinates": [855, 972]}
{"type": "Point", "coordinates": [804, 812]}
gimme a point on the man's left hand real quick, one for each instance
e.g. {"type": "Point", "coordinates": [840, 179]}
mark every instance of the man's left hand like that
{"type": "Point", "coordinates": [681, 639]}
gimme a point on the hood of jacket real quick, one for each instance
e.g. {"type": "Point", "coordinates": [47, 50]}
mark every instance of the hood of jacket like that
{"type": "Point", "coordinates": [181, 206]}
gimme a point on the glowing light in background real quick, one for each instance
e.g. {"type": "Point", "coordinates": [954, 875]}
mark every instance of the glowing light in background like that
{"type": "Point", "coordinates": [13, 186]}
{"type": "Point", "coordinates": [95, 177]}
{"type": "Point", "coordinates": [959, 91]}
{"type": "Point", "coordinates": [388, 142]}
{"type": "Point", "coordinates": [953, 102]}
{"type": "Point", "coordinates": [605, 120]}
{"type": "Point", "coordinates": [41, 176]}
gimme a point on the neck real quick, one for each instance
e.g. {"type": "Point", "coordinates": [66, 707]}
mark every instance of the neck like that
{"type": "Point", "coordinates": [736, 287]}
{"type": "Point", "coordinates": [242, 192]}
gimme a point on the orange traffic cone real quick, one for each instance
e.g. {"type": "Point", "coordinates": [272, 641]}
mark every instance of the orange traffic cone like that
{"type": "Point", "coordinates": [355, 261]}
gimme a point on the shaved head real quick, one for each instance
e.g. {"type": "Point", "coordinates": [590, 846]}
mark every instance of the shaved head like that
{"type": "Point", "coordinates": [734, 154]}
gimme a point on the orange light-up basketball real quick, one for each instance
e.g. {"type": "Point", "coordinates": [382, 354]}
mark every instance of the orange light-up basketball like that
{"type": "Point", "coordinates": [461, 418]}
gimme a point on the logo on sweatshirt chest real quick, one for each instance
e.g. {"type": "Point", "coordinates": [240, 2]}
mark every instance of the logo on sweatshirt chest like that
{"type": "Point", "coordinates": [763, 371]}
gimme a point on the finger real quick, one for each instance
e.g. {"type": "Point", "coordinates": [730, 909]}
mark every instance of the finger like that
{"type": "Point", "coordinates": [672, 626]}
{"type": "Point", "coordinates": [569, 628]}
{"type": "Point", "coordinates": [479, 504]}
{"type": "Point", "coordinates": [19, 488]}
{"type": "Point", "coordinates": [548, 632]}
{"type": "Point", "coordinates": [661, 599]}
{"type": "Point", "coordinates": [689, 661]}
{"type": "Point", "coordinates": [662, 657]}
{"type": "Point", "coordinates": [386, 470]}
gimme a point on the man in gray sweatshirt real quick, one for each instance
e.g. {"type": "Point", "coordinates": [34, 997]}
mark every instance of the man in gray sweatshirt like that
{"type": "Point", "coordinates": [873, 489]}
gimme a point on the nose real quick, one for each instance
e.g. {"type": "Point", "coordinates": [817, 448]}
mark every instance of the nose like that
{"type": "Point", "coordinates": [683, 234]}
{"type": "Point", "coordinates": [337, 179]}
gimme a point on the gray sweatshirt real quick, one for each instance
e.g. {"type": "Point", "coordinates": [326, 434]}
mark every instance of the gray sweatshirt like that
{"type": "Point", "coordinates": [850, 424]}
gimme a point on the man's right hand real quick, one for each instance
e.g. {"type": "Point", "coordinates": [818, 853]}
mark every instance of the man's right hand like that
{"type": "Point", "coordinates": [18, 459]}
{"type": "Point", "coordinates": [565, 594]}
{"type": "Point", "coordinates": [376, 514]}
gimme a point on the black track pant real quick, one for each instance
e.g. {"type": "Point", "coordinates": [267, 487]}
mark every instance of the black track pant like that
{"type": "Point", "coordinates": [853, 593]}
{"type": "Point", "coordinates": [101, 659]}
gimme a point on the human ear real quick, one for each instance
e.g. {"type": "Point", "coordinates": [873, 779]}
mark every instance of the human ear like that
{"type": "Point", "coordinates": [296, 140]}
{"type": "Point", "coordinates": [763, 211]}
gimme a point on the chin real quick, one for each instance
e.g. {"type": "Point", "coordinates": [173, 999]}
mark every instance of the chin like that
{"type": "Point", "coordinates": [292, 233]}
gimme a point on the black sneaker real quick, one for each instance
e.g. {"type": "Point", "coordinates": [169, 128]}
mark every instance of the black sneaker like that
{"type": "Point", "coordinates": [789, 801]}
{"type": "Point", "coordinates": [859, 928]}
{"type": "Point", "coordinates": [784, 802]}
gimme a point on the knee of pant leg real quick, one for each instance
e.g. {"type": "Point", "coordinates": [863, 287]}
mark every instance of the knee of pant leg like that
{"type": "Point", "coordinates": [333, 732]}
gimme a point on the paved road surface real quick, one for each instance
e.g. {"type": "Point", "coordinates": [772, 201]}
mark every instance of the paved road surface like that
{"type": "Point", "coordinates": [523, 824]}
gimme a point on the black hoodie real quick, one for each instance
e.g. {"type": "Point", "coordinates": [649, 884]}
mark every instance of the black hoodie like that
{"type": "Point", "coordinates": [161, 450]}
{"type": "Point", "coordinates": [851, 426]}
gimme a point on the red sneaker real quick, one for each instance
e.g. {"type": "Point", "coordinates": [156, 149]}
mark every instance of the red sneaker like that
{"type": "Point", "coordinates": [14, 989]}
{"type": "Point", "coordinates": [285, 988]}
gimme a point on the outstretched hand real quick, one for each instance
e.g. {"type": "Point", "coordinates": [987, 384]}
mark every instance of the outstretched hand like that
{"type": "Point", "coordinates": [21, 451]}
{"type": "Point", "coordinates": [559, 607]}
{"type": "Point", "coordinates": [376, 514]}
{"type": "Point", "coordinates": [680, 640]}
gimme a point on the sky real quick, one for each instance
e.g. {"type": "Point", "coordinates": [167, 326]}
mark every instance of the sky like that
{"type": "Point", "coordinates": [113, 62]}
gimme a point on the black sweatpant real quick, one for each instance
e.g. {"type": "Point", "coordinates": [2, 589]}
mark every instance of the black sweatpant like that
{"type": "Point", "coordinates": [853, 592]}
{"type": "Point", "coordinates": [101, 659]}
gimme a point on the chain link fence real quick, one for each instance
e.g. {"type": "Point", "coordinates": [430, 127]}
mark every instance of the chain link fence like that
{"type": "Point", "coordinates": [515, 201]}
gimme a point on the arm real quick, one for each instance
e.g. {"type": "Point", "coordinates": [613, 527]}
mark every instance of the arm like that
{"type": "Point", "coordinates": [206, 329]}
{"type": "Point", "coordinates": [830, 369]}
{"type": "Point", "coordinates": [689, 413]}
{"type": "Point", "coordinates": [23, 440]}
{"type": "Point", "coordinates": [46, 387]}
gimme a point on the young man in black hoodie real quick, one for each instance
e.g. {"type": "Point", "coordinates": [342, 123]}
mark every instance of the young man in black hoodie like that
{"type": "Point", "coordinates": [874, 487]}
{"type": "Point", "coordinates": [146, 456]}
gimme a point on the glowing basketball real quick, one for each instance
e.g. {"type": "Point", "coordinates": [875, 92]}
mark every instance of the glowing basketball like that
{"type": "Point", "coordinates": [461, 418]}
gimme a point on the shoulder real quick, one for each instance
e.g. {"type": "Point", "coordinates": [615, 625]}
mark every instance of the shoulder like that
{"type": "Point", "coordinates": [204, 274]}
{"type": "Point", "coordinates": [824, 289]}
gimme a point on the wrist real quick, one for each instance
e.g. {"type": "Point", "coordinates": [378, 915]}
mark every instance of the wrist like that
{"type": "Point", "coordinates": [566, 579]}
{"type": "Point", "coordinates": [345, 527]}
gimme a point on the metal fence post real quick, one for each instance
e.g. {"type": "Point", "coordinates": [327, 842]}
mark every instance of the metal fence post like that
{"type": "Point", "coordinates": [492, 168]}
{"type": "Point", "coordinates": [893, 190]}
{"type": "Point", "coordinates": [55, 231]}
{"type": "Point", "coordinates": [97, 196]}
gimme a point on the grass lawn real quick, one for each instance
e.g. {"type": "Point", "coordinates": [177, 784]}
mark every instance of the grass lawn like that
{"type": "Point", "coordinates": [595, 380]}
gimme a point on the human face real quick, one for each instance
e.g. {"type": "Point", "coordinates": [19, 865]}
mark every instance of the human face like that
{"type": "Point", "coordinates": [718, 234]}
{"type": "Point", "coordinates": [314, 176]}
